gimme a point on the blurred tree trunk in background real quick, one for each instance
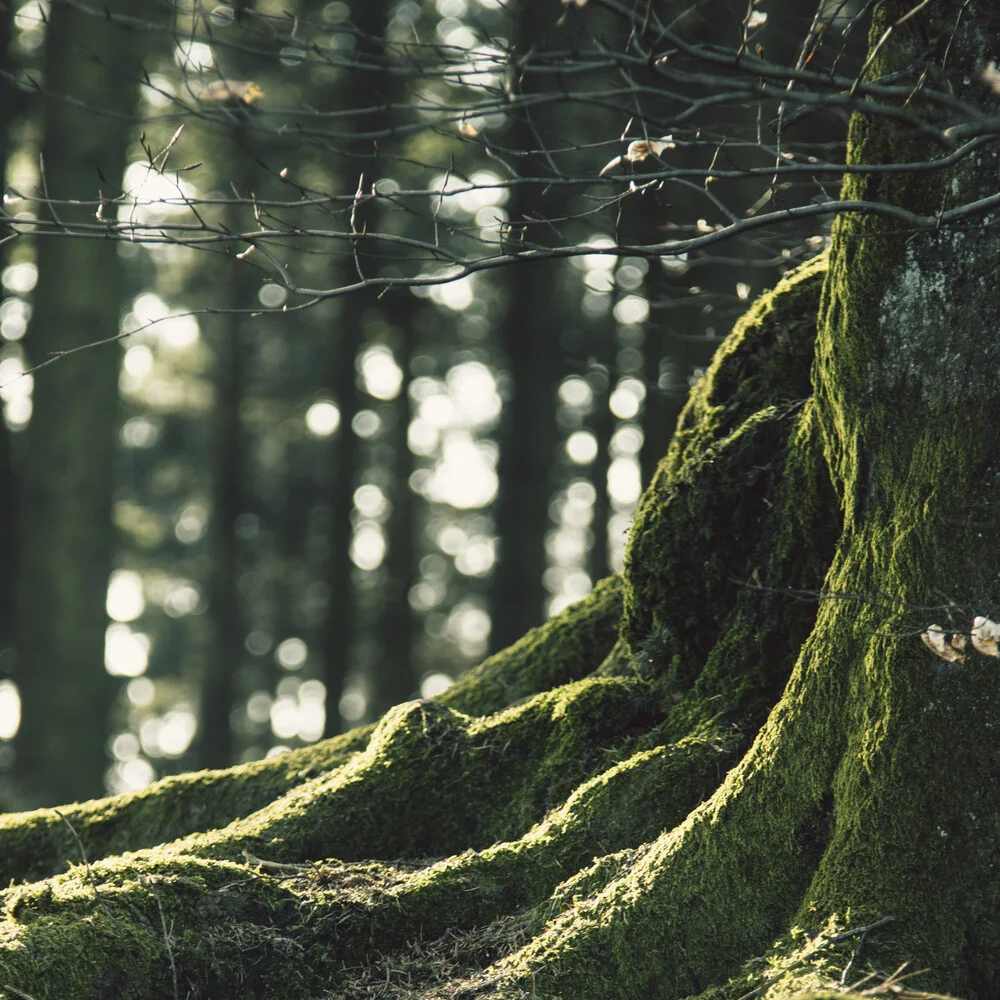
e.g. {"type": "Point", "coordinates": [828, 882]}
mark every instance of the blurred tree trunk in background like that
{"type": "Point", "coordinates": [529, 338]}
{"type": "Point", "coordinates": [528, 437]}
{"type": "Point", "coordinates": [69, 453]}
{"type": "Point", "coordinates": [230, 343]}
{"type": "Point", "coordinates": [339, 630]}
{"type": "Point", "coordinates": [228, 502]}
{"type": "Point", "coordinates": [601, 353]}
{"type": "Point", "coordinates": [394, 678]}
{"type": "Point", "coordinates": [11, 106]}
{"type": "Point", "coordinates": [8, 532]}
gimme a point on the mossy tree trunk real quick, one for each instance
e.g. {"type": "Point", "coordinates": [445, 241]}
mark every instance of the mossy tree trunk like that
{"type": "Point", "coordinates": [697, 781]}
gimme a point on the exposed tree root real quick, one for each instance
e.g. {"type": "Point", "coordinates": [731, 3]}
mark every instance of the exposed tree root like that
{"type": "Point", "coordinates": [558, 785]}
{"type": "Point", "coordinates": [580, 818]}
{"type": "Point", "coordinates": [39, 843]}
{"type": "Point", "coordinates": [363, 907]}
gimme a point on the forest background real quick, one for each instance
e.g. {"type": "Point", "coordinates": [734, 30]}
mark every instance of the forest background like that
{"type": "Point", "coordinates": [281, 445]}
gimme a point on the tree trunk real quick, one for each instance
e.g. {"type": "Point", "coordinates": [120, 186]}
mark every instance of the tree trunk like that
{"type": "Point", "coordinates": [394, 678]}
{"type": "Point", "coordinates": [11, 109]}
{"type": "Point", "coordinates": [528, 435]}
{"type": "Point", "coordinates": [719, 775]}
{"type": "Point", "coordinates": [527, 438]}
{"type": "Point", "coordinates": [65, 531]}
{"type": "Point", "coordinates": [339, 628]}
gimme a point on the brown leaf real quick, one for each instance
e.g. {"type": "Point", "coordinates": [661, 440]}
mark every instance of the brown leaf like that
{"type": "Point", "coordinates": [222, 91]}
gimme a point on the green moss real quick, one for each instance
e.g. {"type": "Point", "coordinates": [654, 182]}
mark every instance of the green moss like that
{"type": "Point", "coordinates": [688, 552]}
{"type": "Point", "coordinates": [475, 887]}
{"type": "Point", "coordinates": [566, 648]}
{"type": "Point", "coordinates": [40, 843]}
{"type": "Point", "coordinates": [740, 521]}
{"type": "Point", "coordinates": [707, 893]}
{"type": "Point", "coordinates": [232, 919]}
{"type": "Point", "coordinates": [123, 929]}
{"type": "Point", "coordinates": [433, 780]}
{"type": "Point", "coordinates": [801, 966]}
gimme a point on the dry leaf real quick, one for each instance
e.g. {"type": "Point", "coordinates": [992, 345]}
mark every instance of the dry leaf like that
{"type": "Point", "coordinates": [984, 636]}
{"type": "Point", "coordinates": [221, 91]}
{"type": "Point", "coordinates": [639, 150]}
{"type": "Point", "coordinates": [609, 166]}
{"type": "Point", "coordinates": [991, 77]}
{"type": "Point", "coordinates": [941, 645]}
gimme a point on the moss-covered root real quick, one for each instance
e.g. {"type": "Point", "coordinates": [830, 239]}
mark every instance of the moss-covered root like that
{"type": "Point", "coordinates": [822, 965]}
{"type": "Point", "coordinates": [566, 648]}
{"type": "Point", "coordinates": [740, 518]}
{"type": "Point", "coordinates": [710, 501]}
{"type": "Point", "coordinates": [228, 929]}
{"type": "Point", "coordinates": [128, 931]}
{"type": "Point", "coordinates": [717, 888]}
{"type": "Point", "coordinates": [40, 843]}
{"type": "Point", "coordinates": [476, 887]}
{"type": "Point", "coordinates": [433, 781]}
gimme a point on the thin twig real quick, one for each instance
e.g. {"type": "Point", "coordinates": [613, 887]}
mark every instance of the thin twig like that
{"type": "Point", "coordinates": [20, 994]}
{"type": "Point", "coordinates": [880, 44]}
{"type": "Point", "coordinates": [843, 936]}
{"type": "Point", "coordinates": [166, 933]}
{"type": "Point", "coordinates": [90, 874]}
